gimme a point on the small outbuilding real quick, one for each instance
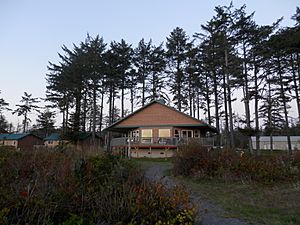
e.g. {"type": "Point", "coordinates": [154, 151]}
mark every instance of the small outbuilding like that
{"type": "Point", "coordinates": [21, 141]}
{"type": "Point", "coordinates": [84, 139]}
{"type": "Point", "coordinates": [278, 142]}
{"type": "Point", "coordinates": [52, 141]}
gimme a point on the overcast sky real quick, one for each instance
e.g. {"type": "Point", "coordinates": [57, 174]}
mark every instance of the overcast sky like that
{"type": "Point", "coordinates": [33, 31]}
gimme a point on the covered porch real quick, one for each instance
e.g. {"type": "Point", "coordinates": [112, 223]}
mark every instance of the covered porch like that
{"type": "Point", "coordinates": [153, 147]}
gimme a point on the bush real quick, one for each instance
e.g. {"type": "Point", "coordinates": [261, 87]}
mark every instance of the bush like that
{"type": "Point", "coordinates": [46, 187]}
{"type": "Point", "coordinates": [201, 162]}
{"type": "Point", "coordinates": [157, 204]}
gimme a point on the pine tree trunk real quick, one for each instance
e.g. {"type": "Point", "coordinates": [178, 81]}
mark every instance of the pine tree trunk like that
{"type": "Point", "coordinates": [122, 99]}
{"type": "Point", "coordinates": [226, 129]}
{"type": "Point", "coordinates": [77, 112]}
{"type": "Point", "coordinates": [113, 107]}
{"type": "Point", "coordinates": [271, 141]}
{"type": "Point", "coordinates": [296, 87]}
{"type": "Point", "coordinates": [94, 113]}
{"type": "Point", "coordinates": [64, 120]}
{"type": "Point", "coordinates": [284, 103]}
{"type": "Point", "coordinates": [270, 116]}
{"type": "Point", "coordinates": [131, 99]}
{"type": "Point", "coordinates": [216, 101]}
{"type": "Point", "coordinates": [198, 106]}
{"type": "Point", "coordinates": [67, 117]}
{"type": "Point", "coordinates": [232, 144]}
{"type": "Point", "coordinates": [101, 112]}
{"type": "Point", "coordinates": [110, 106]}
{"type": "Point", "coordinates": [25, 122]}
{"type": "Point", "coordinates": [256, 108]}
{"type": "Point", "coordinates": [84, 113]}
{"type": "Point", "coordinates": [178, 85]}
{"type": "Point", "coordinates": [207, 100]}
{"type": "Point", "coordinates": [246, 90]}
{"type": "Point", "coordinates": [190, 98]}
{"type": "Point", "coordinates": [298, 69]}
{"type": "Point", "coordinates": [143, 90]}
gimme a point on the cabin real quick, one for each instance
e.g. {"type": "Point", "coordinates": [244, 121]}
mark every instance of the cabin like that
{"type": "Point", "coordinates": [84, 139]}
{"type": "Point", "coordinates": [52, 141]}
{"type": "Point", "coordinates": [279, 142]}
{"type": "Point", "coordinates": [21, 141]}
{"type": "Point", "coordinates": [156, 130]}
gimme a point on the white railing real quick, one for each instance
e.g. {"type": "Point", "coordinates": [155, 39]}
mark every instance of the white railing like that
{"type": "Point", "coordinates": [159, 141]}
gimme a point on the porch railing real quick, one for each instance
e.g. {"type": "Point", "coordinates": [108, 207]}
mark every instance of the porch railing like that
{"type": "Point", "coordinates": [159, 141]}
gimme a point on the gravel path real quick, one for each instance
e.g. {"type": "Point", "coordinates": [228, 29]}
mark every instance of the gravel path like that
{"type": "Point", "coordinates": [208, 213]}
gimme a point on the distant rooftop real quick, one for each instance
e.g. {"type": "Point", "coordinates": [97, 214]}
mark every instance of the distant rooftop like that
{"type": "Point", "coordinates": [53, 137]}
{"type": "Point", "coordinates": [13, 136]}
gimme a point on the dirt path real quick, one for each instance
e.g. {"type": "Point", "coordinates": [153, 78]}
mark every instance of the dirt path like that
{"type": "Point", "coordinates": [208, 213]}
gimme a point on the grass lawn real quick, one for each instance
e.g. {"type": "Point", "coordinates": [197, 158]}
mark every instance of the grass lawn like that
{"type": "Point", "coordinates": [152, 160]}
{"type": "Point", "coordinates": [258, 204]}
{"type": "Point", "coordinates": [146, 162]}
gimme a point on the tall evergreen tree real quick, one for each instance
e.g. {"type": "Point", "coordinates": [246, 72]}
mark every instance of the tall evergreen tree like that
{"type": "Point", "coordinates": [95, 70]}
{"type": "Point", "coordinates": [155, 83]}
{"type": "Point", "coordinates": [45, 122]}
{"type": "Point", "coordinates": [28, 105]}
{"type": "Point", "coordinates": [280, 78]}
{"type": "Point", "coordinates": [178, 45]}
{"type": "Point", "coordinates": [142, 63]}
{"type": "Point", "coordinates": [271, 111]}
{"type": "Point", "coordinates": [123, 56]}
{"type": "Point", "coordinates": [3, 105]}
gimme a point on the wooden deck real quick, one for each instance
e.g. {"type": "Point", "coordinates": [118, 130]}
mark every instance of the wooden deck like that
{"type": "Point", "coordinates": [155, 142]}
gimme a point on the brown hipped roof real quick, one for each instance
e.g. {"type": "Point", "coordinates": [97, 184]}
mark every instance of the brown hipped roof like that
{"type": "Point", "coordinates": [158, 114]}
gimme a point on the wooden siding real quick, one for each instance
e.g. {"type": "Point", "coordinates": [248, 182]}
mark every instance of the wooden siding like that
{"type": "Point", "coordinates": [52, 143]}
{"type": "Point", "coordinates": [157, 114]}
{"type": "Point", "coordinates": [29, 141]}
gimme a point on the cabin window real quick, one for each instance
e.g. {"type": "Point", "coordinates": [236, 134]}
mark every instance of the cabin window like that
{"type": "Point", "coordinates": [146, 135]}
{"type": "Point", "coordinates": [135, 134]}
{"type": "Point", "coordinates": [196, 134]}
{"type": "Point", "coordinates": [187, 133]}
{"type": "Point", "coordinates": [50, 142]}
{"type": "Point", "coordinates": [164, 133]}
{"type": "Point", "coordinates": [176, 133]}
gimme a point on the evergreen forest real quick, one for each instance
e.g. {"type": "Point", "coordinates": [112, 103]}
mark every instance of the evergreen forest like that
{"type": "Point", "coordinates": [230, 60]}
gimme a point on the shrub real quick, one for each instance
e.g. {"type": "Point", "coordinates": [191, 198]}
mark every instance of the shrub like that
{"type": "Point", "coordinates": [157, 204]}
{"type": "Point", "coordinates": [46, 187]}
{"type": "Point", "coordinates": [189, 157]}
{"type": "Point", "coordinates": [198, 161]}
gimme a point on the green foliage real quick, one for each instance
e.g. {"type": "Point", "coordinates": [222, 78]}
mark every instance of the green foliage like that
{"type": "Point", "coordinates": [3, 216]}
{"type": "Point", "coordinates": [198, 161]}
{"type": "Point", "coordinates": [73, 220]}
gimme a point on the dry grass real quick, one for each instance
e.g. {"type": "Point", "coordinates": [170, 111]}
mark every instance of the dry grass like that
{"type": "Point", "coordinates": [258, 204]}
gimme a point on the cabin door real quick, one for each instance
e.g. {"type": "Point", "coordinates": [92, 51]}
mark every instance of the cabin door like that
{"type": "Point", "coordinates": [186, 134]}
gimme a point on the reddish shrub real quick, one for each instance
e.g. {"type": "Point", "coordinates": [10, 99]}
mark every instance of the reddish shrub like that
{"type": "Point", "coordinates": [198, 161]}
{"type": "Point", "coordinates": [62, 188]}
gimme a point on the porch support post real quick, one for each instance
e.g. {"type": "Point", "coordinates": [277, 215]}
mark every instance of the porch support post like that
{"type": "Point", "coordinates": [129, 147]}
